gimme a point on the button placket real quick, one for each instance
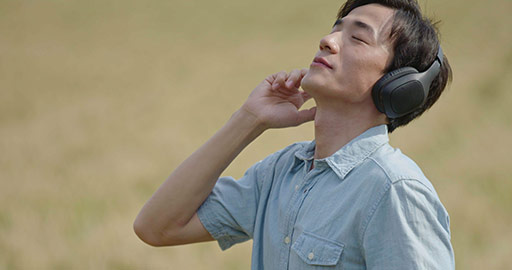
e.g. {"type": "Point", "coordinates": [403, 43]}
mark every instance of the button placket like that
{"type": "Point", "coordinates": [294, 207]}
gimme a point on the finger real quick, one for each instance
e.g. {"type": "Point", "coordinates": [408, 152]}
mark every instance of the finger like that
{"type": "Point", "coordinates": [306, 116]}
{"type": "Point", "coordinates": [293, 78]}
{"type": "Point", "coordinates": [270, 79]}
{"type": "Point", "coordinates": [303, 73]}
{"type": "Point", "coordinates": [305, 96]}
{"type": "Point", "coordinates": [279, 80]}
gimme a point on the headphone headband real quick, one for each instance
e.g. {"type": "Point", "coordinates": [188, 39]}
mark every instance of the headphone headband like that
{"type": "Point", "coordinates": [440, 55]}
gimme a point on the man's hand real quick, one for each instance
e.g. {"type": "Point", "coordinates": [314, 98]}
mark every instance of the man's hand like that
{"type": "Point", "coordinates": [169, 217]}
{"type": "Point", "coordinates": [276, 101]}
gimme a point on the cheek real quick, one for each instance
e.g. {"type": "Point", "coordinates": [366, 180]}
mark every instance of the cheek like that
{"type": "Point", "coordinates": [353, 74]}
{"type": "Point", "coordinates": [358, 76]}
{"type": "Point", "coordinates": [369, 70]}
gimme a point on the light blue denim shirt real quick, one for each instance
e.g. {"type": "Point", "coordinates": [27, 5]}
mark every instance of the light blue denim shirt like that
{"type": "Point", "coordinates": [367, 206]}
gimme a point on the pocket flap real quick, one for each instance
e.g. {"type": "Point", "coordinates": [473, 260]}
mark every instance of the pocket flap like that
{"type": "Point", "coordinates": [316, 250]}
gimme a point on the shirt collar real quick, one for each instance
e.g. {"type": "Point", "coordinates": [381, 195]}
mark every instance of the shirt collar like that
{"type": "Point", "coordinates": [350, 155]}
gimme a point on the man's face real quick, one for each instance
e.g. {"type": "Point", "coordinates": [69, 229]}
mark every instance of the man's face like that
{"type": "Point", "coordinates": [352, 57]}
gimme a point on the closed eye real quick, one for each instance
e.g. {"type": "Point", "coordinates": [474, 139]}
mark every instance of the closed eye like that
{"type": "Point", "coordinates": [360, 40]}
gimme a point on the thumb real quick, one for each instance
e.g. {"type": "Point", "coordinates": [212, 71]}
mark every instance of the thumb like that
{"type": "Point", "coordinates": [306, 116]}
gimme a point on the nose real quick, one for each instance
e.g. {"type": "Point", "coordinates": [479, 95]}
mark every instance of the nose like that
{"type": "Point", "coordinates": [329, 43]}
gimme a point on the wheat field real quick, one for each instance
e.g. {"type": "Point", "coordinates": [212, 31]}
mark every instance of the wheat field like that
{"type": "Point", "coordinates": [100, 100]}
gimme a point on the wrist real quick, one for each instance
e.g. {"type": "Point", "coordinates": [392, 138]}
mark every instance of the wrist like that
{"type": "Point", "coordinates": [245, 120]}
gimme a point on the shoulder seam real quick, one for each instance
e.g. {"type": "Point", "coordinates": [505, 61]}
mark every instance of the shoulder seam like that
{"type": "Point", "coordinates": [382, 168]}
{"type": "Point", "coordinates": [415, 180]}
{"type": "Point", "coordinates": [399, 179]}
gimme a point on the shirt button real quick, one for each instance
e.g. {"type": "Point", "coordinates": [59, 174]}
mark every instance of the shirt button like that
{"type": "Point", "coordinates": [296, 187]}
{"type": "Point", "coordinates": [311, 256]}
{"type": "Point", "coordinates": [287, 240]}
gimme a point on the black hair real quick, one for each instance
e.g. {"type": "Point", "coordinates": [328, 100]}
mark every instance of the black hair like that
{"type": "Point", "coordinates": [415, 41]}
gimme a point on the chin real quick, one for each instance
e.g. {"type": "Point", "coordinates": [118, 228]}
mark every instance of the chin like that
{"type": "Point", "coordinates": [306, 83]}
{"type": "Point", "coordinates": [311, 83]}
{"type": "Point", "coordinates": [316, 85]}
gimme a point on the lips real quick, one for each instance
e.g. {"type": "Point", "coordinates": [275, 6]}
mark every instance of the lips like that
{"type": "Point", "coordinates": [322, 61]}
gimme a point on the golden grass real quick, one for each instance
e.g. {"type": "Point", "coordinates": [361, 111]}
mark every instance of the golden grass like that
{"type": "Point", "coordinates": [100, 100]}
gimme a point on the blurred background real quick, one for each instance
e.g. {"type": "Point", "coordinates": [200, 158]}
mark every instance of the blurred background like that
{"type": "Point", "coordinates": [100, 100]}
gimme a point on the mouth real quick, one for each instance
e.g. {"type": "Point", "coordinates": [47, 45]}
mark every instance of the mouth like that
{"type": "Point", "coordinates": [319, 61]}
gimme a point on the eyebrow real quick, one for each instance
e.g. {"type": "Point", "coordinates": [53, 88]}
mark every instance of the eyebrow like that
{"type": "Point", "coordinates": [358, 24]}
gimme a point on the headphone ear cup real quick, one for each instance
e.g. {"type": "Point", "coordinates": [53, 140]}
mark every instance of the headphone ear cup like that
{"type": "Point", "coordinates": [379, 89]}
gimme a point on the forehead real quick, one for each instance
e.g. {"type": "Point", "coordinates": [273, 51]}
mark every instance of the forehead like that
{"type": "Point", "coordinates": [378, 17]}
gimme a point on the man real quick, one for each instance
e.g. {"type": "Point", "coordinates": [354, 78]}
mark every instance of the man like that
{"type": "Point", "coordinates": [347, 200]}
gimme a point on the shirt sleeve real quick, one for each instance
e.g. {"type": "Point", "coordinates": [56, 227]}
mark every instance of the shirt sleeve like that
{"type": "Point", "coordinates": [409, 229]}
{"type": "Point", "coordinates": [229, 212]}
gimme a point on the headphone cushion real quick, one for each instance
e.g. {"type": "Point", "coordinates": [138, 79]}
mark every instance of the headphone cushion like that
{"type": "Point", "coordinates": [386, 79]}
{"type": "Point", "coordinates": [397, 73]}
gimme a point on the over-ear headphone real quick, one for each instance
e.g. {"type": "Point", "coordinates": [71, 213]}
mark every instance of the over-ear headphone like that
{"type": "Point", "coordinates": [403, 90]}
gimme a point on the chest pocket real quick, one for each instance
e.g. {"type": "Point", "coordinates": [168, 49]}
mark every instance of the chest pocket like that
{"type": "Point", "coordinates": [315, 250]}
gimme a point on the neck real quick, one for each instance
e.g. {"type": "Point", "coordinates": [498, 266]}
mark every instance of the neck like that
{"type": "Point", "coordinates": [337, 125]}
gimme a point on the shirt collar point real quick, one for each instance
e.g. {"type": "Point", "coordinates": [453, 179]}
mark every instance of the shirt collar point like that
{"type": "Point", "coordinates": [357, 150]}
